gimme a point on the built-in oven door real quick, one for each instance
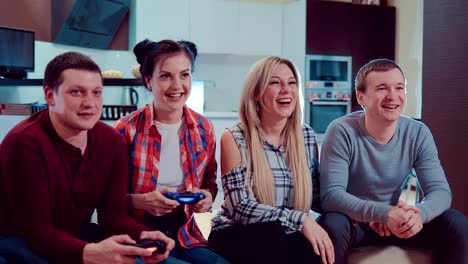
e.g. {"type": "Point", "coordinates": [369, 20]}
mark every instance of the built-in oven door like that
{"type": "Point", "coordinates": [323, 112]}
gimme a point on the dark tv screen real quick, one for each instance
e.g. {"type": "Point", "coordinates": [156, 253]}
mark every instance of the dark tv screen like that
{"type": "Point", "coordinates": [16, 49]}
{"type": "Point", "coordinates": [327, 70]}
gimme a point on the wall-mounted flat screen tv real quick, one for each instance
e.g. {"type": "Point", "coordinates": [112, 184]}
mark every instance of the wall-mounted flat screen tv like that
{"type": "Point", "coordinates": [16, 52]}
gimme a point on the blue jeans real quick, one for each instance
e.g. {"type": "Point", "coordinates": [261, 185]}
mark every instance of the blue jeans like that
{"type": "Point", "coordinates": [169, 260]}
{"type": "Point", "coordinates": [15, 250]}
{"type": "Point", "coordinates": [197, 255]}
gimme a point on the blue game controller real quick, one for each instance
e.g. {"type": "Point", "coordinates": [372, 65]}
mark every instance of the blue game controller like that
{"type": "Point", "coordinates": [186, 197]}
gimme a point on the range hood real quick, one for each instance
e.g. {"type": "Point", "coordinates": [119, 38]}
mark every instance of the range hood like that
{"type": "Point", "coordinates": [89, 23]}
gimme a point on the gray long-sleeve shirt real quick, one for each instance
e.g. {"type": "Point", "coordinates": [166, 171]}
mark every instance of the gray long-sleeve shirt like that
{"type": "Point", "coordinates": [362, 178]}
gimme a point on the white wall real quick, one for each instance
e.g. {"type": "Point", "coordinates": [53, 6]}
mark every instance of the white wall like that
{"type": "Point", "coordinates": [294, 38]}
{"type": "Point", "coordinates": [409, 44]}
{"type": "Point", "coordinates": [224, 76]}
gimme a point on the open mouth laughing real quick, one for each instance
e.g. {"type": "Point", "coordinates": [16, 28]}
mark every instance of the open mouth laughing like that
{"type": "Point", "coordinates": [391, 106]}
{"type": "Point", "coordinates": [284, 101]}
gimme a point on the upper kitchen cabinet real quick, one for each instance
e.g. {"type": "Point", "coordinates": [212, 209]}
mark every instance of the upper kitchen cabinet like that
{"type": "Point", "coordinates": [260, 28]}
{"type": "Point", "coordinates": [232, 27]}
{"type": "Point", "coordinates": [214, 26]}
{"type": "Point", "coordinates": [158, 20]}
{"type": "Point", "coordinates": [344, 28]}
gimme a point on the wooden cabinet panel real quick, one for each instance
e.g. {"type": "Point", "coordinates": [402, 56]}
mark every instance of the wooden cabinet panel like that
{"type": "Point", "coordinates": [328, 28]}
{"type": "Point", "coordinates": [362, 31]}
{"type": "Point", "coordinates": [445, 97]}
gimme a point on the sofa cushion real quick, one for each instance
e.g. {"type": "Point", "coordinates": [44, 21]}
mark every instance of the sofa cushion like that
{"type": "Point", "coordinates": [389, 254]}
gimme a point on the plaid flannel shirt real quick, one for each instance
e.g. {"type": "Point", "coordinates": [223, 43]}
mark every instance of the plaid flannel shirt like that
{"type": "Point", "coordinates": [197, 149]}
{"type": "Point", "coordinates": [241, 207]}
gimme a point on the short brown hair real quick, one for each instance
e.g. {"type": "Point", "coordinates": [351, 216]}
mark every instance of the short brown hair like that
{"type": "Point", "coordinates": [378, 65]}
{"type": "Point", "coordinates": [68, 60]}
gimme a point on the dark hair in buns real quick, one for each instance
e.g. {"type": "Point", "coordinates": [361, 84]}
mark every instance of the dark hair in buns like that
{"type": "Point", "coordinates": [148, 53]}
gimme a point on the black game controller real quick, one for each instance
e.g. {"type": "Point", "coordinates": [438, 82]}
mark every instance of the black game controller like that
{"type": "Point", "coordinates": [186, 197]}
{"type": "Point", "coordinates": [156, 246]}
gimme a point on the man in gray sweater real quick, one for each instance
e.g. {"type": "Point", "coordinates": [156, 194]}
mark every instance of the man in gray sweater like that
{"type": "Point", "coordinates": [365, 158]}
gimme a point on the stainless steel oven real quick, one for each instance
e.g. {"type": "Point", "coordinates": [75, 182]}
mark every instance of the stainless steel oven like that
{"type": "Point", "coordinates": [322, 112]}
{"type": "Point", "coordinates": [327, 89]}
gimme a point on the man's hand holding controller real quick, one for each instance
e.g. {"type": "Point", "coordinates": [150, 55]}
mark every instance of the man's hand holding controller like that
{"type": "Point", "coordinates": [123, 249]}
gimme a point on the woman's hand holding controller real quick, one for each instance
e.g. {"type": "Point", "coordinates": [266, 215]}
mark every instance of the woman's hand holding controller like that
{"type": "Point", "coordinates": [203, 205]}
{"type": "Point", "coordinates": [154, 202]}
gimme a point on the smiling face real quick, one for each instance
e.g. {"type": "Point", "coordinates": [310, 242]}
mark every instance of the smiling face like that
{"type": "Point", "coordinates": [170, 84]}
{"type": "Point", "coordinates": [76, 105]}
{"type": "Point", "coordinates": [279, 99]}
{"type": "Point", "coordinates": [384, 97]}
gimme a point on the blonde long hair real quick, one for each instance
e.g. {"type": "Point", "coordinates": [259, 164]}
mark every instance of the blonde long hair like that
{"type": "Point", "coordinates": [259, 177]}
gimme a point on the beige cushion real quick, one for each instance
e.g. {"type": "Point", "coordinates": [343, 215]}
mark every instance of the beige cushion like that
{"type": "Point", "coordinates": [389, 255]}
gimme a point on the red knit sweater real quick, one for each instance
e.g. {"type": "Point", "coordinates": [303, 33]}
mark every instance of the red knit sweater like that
{"type": "Point", "coordinates": [48, 190]}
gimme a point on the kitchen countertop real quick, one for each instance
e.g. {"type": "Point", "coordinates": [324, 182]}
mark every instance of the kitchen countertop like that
{"type": "Point", "coordinates": [222, 115]}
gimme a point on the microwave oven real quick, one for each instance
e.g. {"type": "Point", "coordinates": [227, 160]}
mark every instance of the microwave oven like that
{"type": "Point", "coordinates": [328, 71]}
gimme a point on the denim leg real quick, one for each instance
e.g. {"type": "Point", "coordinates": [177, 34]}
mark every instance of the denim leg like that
{"type": "Point", "coordinates": [446, 235]}
{"type": "Point", "coordinates": [199, 255]}
{"type": "Point", "coordinates": [264, 242]}
{"type": "Point", "coordinates": [15, 250]}
{"type": "Point", "coordinates": [169, 260]}
{"type": "Point", "coordinates": [341, 232]}
{"type": "Point", "coordinates": [300, 250]}
{"type": "Point", "coordinates": [454, 247]}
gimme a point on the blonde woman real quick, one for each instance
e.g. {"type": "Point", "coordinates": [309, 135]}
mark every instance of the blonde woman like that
{"type": "Point", "coordinates": [269, 164]}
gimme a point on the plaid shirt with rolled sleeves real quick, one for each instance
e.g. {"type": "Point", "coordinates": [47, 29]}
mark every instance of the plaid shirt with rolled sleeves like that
{"type": "Point", "coordinates": [197, 150]}
{"type": "Point", "coordinates": [242, 207]}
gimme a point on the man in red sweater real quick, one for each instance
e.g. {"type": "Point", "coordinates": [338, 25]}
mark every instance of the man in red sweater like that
{"type": "Point", "coordinates": [59, 165]}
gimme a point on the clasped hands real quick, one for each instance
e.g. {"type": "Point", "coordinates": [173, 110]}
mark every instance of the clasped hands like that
{"type": "Point", "coordinates": [404, 221]}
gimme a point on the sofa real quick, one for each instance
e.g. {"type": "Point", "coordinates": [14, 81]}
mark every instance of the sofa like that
{"type": "Point", "coordinates": [362, 255]}
{"type": "Point", "coordinates": [411, 193]}
{"type": "Point", "coordinates": [390, 255]}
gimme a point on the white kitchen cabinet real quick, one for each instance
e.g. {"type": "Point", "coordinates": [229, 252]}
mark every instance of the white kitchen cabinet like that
{"type": "Point", "coordinates": [240, 28]}
{"type": "Point", "coordinates": [214, 26]}
{"type": "Point", "coordinates": [159, 19]}
{"type": "Point", "coordinates": [260, 29]}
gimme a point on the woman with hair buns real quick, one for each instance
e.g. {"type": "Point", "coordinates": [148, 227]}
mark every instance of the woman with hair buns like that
{"type": "Point", "coordinates": [269, 164]}
{"type": "Point", "coordinates": [171, 149]}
